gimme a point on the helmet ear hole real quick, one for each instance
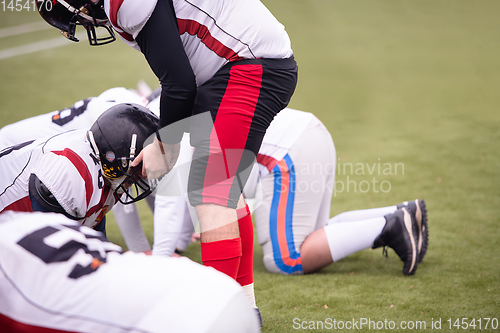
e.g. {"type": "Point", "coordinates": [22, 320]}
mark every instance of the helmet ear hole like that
{"type": "Point", "coordinates": [110, 155]}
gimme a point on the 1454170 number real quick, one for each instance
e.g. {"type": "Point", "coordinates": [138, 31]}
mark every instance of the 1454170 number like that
{"type": "Point", "coordinates": [27, 5]}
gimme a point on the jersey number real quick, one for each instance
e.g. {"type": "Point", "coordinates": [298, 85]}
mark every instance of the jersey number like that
{"type": "Point", "coordinates": [65, 116]}
{"type": "Point", "coordinates": [36, 244]}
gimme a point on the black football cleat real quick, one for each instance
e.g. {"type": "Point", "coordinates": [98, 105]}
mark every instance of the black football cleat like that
{"type": "Point", "coordinates": [400, 234]}
{"type": "Point", "coordinates": [418, 209]}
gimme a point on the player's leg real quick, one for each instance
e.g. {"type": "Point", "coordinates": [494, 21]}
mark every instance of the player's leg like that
{"type": "Point", "coordinates": [243, 98]}
{"type": "Point", "coordinates": [316, 178]}
{"type": "Point", "coordinates": [168, 217]}
{"type": "Point", "coordinates": [331, 242]}
{"type": "Point", "coordinates": [416, 208]}
{"type": "Point", "coordinates": [336, 241]}
{"type": "Point", "coordinates": [187, 231]}
{"type": "Point", "coordinates": [279, 229]}
{"type": "Point", "coordinates": [362, 214]}
{"type": "Point", "coordinates": [347, 238]}
{"type": "Point", "coordinates": [398, 230]}
{"type": "Point", "coordinates": [245, 271]}
{"type": "Point", "coordinates": [296, 195]}
{"type": "Point", "coordinates": [212, 181]}
{"type": "Point", "coordinates": [170, 207]}
{"type": "Point", "coordinates": [129, 223]}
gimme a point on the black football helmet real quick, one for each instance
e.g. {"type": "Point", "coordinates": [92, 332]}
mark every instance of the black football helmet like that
{"type": "Point", "coordinates": [116, 138]}
{"type": "Point", "coordinates": [65, 15]}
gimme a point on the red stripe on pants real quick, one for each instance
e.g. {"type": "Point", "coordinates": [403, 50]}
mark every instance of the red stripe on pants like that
{"type": "Point", "coordinates": [245, 271]}
{"type": "Point", "coordinates": [230, 133]}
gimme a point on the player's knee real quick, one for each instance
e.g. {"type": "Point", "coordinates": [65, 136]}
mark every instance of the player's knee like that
{"type": "Point", "coordinates": [270, 265]}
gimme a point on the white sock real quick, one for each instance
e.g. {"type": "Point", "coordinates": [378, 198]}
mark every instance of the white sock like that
{"type": "Point", "coordinates": [350, 237]}
{"type": "Point", "coordinates": [249, 292]}
{"type": "Point", "coordinates": [363, 214]}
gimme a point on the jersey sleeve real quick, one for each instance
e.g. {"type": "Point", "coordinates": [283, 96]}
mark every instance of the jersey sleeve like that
{"type": "Point", "coordinates": [128, 17]}
{"type": "Point", "coordinates": [160, 43]}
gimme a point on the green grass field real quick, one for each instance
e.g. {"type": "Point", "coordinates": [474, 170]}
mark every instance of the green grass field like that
{"type": "Point", "coordinates": [413, 83]}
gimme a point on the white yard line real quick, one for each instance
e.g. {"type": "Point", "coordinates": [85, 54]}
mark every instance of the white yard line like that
{"type": "Point", "coordinates": [39, 46]}
{"type": "Point", "coordinates": [24, 28]}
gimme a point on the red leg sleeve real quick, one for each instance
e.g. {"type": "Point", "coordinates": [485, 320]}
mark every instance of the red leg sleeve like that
{"type": "Point", "coordinates": [245, 272]}
{"type": "Point", "coordinates": [224, 255]}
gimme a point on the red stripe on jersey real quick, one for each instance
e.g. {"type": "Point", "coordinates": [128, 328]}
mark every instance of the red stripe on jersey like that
{"type": "Point", "coordinates": [267, 161]}
{"type": "Point", "coordinates": [114, 7]}
{"type": "Point", "coordinates": [196, 29]}
{"type": "Point", "coordinates": [230, 133]}
{"type": "Point", "coordinates": [82, 169]}
{"type": "Point", "coordinates": [125, 35]}
{"type": "Point", "coordinates": [10, 325]}
{"type": "Point", "coordinates": [21, 205]}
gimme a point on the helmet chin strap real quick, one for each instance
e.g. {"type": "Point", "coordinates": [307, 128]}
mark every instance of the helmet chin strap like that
{"type": "Point", "coordinates": [133, 146]}
{"type": "Point", "coordinates": [117, 182]}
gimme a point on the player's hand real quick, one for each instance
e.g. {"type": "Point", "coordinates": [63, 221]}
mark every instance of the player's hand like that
{"type": "Point", "coordinates": [157, 160]}
{"type": "Point", "coordinates": [195, 237]}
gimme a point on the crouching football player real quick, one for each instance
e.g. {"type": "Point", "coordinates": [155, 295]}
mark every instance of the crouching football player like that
{"type": "Point", "coordinates": [80, 173]}
{"type": "Point", "coordinates": [58, 276]}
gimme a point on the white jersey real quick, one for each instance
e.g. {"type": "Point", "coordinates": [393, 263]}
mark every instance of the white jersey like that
{"type": "Point", "coordinates": [56, 275]}
{"type": "Point", "coordinates": [67, 166]}
{"type": "Point", "coordinates": [284, 131]}
{"type": "Point", "coordinates": [79, 116]}
{"type": "Point", "coordinates": [213, 32]}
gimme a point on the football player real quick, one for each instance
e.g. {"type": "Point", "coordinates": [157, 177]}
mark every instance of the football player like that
{"type": "Point", "coordinates": [293, 183]}
{"type": "Point", "coordinates": [59, 276]}
{"type": "Point", "coordinates": [80, 173]}
{"type": "Point", "coordinates": [81, 116]}
{"type": "Point", "coordinates": [232, 59]}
